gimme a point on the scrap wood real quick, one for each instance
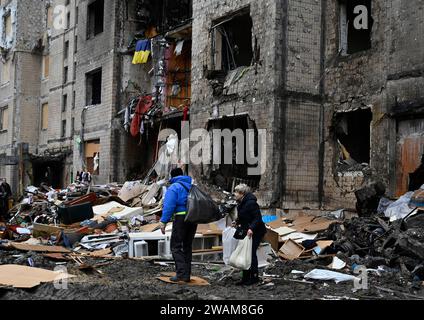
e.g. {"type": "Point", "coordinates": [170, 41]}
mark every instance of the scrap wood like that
{"type": "Point", "coordinates": [56, 256]}
{"type": "Point", "coordinates": [291, 250]}
{"type": "Point", "coordinates": [100, 253]}
{"type": "Point", "coordinates": [39, 248]}
{"type": "Point", "coordinates": [208, 250]}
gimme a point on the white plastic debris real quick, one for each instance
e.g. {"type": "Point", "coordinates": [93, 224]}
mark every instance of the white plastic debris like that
{"type": "Point", "coordinates": [337, 264]}
{"type": "Point", "coordinates": [319, 274]}
{"type": "Point", "coordinates": [297, 272]}
{"type": "Point", "coordinates": [400, 208]}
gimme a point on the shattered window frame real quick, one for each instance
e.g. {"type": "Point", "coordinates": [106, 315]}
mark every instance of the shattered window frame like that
{"type": "Point", "coordinates": [348, 44]}
{"type": "Point", "coordinates": [221, 40]}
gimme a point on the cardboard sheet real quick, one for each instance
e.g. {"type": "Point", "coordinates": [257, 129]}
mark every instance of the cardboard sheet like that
{"type": "Point", "coordinates": [195, 281]}
{"type": "Point", "coordinates": [26, 277]}
{"type": "Point", "coordinates": [150, 227]}
{"type": "Point", "coordinates": [283, 231]}
{"type": "Point", "coordinates": [291, 250]}
{"type": "Point", "coordinates": [208, 229]}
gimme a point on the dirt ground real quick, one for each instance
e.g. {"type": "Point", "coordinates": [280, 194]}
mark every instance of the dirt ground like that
{"type": "Point", "coordinates": [136, 280]}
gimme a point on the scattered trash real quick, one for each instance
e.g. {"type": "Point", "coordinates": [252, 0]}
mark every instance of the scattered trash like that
{"type": "Point", "coordinates": [319, 274]}
{"type": "Point", "coordinates": [337, 264]}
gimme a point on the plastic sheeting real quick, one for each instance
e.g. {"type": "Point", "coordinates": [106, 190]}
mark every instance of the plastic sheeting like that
{"type": "Point", "coordinates": [319, 274]}
{"type": "Point", "coordinates": [400, 208]}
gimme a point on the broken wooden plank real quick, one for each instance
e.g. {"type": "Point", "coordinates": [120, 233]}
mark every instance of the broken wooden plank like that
{"type": "Point", "coordinates": [38, 248]}
{"type": "Point", "coordinates": [291, 250]}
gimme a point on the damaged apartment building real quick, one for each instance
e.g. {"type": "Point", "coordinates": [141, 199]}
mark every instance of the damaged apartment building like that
{"type": "Point", "coordinates": [341, 106]}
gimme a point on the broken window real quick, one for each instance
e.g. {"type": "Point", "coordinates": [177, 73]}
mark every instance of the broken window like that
{"type": "Point", "coordinates": [4, 119]}
{"type": "Point", "coordinates": [65, 75]}
{"type": "Point", "coordinates": [92, 155]}
{"type": "Point", "coordinates": [46, 66]}
{"type": "Point", "coordinates": [45, 116]}
{"type": "Point", "coordinates": [72, 127]}
{"type": "Point", "coordinates": [68, 20]}
{"type": "Point", "coordinates": [94, 87]}
{"type": "Point", "coordinates": [355, 25]}
{"type": "Point", "coordinates": [95, 19]}
{"type": "Point", "coordinates": [164, 15]}
{"type": "Point", "coordinates": [232, 42]}
{"type": "Point", "coordinates": [5, 72]}
{"type": "Point", "coordinates": [178, 75]}
{"type": "Point", "coordinates": [66, 50]}
{"type": "Point", "coordinates": [73, 99]}
{"type": "Point", "coordinates": [353, 136]}
{"type": "Point", "coordinates": [48, 170]}
{"type": "Point", "coordinates": [8, 25]}
{"type": "Point", "coordinates": [228, 175]}
{"type": "Point", "coordinates": [63, 129]}
{"type": "Point", "coordinates": [64, 102]}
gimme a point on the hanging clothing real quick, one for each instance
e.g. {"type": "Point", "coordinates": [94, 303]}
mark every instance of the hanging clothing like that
{"type": "Point", "coordinates": [144, 105]}
{"type": "Point", "coordinates": [142, 52]}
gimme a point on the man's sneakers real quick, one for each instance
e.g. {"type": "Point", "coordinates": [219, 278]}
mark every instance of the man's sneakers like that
{"type": "Point", "coordinates": [177, 280]}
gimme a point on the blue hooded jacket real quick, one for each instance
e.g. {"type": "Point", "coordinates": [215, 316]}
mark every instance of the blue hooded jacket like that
{"type": "Point", "coordinates": [176, 197]}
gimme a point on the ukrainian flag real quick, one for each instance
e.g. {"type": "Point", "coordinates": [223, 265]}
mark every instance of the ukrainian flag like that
{"type": "Point", "coordinates": [142, 51]}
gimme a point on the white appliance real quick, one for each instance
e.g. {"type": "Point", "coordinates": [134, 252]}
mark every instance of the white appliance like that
{"type": "Point", "coordinates": [158, 244]}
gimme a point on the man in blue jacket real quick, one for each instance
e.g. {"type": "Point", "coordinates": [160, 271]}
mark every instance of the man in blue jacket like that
{"type": "Point", "coordinates": [175, 206]}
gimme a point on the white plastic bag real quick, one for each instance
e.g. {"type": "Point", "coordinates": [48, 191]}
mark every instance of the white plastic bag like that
{"type": "Point", "coordinates": [229, 243]}
{"type": "Point", "coordinates": [241, 258]}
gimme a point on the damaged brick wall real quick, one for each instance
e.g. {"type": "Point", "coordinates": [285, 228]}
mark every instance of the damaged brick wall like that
{"type": "Point", "coordinates": [302, 130]}
{"type": "Point", "coordinates": [378, 79]}
{"type": "Point", "coordinates": [255, 93]}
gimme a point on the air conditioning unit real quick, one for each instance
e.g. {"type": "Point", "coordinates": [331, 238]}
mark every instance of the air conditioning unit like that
{"type": "Point", "coordinates": [157, 245]}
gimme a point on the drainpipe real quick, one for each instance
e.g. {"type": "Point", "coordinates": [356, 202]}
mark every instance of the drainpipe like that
{"type": "Point", "coordinates": [322, 112]}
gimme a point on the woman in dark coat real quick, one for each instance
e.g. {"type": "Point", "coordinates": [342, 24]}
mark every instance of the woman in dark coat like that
{"type": "Point", "coordinates": [250, 220]}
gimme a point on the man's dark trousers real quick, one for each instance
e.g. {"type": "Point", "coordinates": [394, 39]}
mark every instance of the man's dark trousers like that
{"type": "Point", "coordinates": [182, 246]}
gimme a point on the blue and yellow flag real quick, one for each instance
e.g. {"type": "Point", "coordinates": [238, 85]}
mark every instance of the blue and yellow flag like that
{"type": "Point", "coordinates": [142, 51]}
